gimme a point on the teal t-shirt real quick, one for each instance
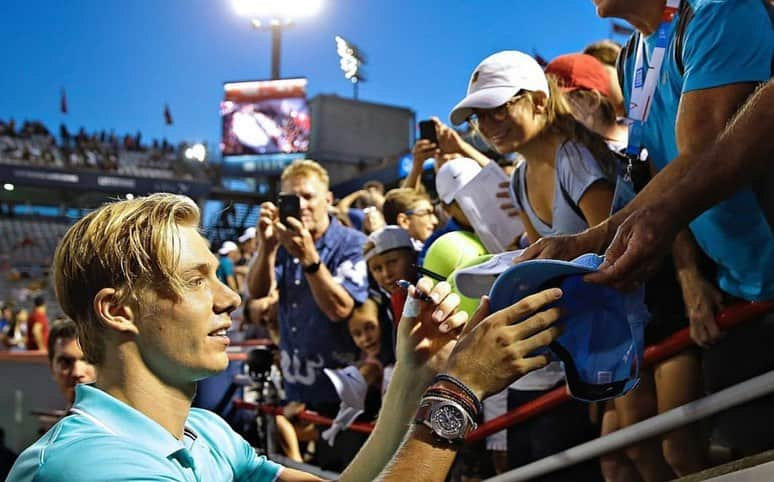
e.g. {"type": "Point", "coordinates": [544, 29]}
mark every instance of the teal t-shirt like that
{"type": "Point", "coordinates": [225, 269]}
{"type": "Point", "coordinates": [726, 42]}
{"type": "Point", "coordinates": [106, 439]}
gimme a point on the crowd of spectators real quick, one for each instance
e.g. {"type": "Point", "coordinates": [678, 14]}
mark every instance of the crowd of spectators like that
{"type": "Point", "coordinates": [34, 144]}
{"type": "Point", "coordinates": [567, 126]}
{"type": "Point", "coordinates": [330, 281]}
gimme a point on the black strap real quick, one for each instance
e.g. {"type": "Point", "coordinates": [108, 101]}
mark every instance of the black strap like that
{"type": "Point", "coordinates": [623, 56]}
{"type": "Point", "coordinates": [686, 14]}
{"type": "Point", "coordinates": [568, 199]}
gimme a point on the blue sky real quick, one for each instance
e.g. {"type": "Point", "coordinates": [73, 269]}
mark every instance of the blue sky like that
{"type": "Point", "coordinates": [121, 61]}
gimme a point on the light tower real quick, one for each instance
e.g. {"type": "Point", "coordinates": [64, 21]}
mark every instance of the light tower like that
{"type": "Point", "coordinates": [274, 15]}
{"type": "Point", "coordinates": [351, 61]}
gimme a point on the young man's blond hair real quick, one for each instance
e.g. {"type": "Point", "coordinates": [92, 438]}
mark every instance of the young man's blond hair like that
{"type": "Point", "coordinates": [123, 245]}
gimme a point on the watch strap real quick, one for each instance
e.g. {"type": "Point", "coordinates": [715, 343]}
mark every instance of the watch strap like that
{"type": "Point", "coordinates": [429, 405]}
{"type": "Point", "coordinates": [313, 268]}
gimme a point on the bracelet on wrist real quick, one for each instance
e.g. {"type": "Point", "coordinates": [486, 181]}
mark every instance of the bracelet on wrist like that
{"type": "Point", "coordinates": [454, 381]}
{"type": "Point", "coordinates": [454, 396]}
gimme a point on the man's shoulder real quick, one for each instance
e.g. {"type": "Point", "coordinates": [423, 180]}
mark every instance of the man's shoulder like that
{"type": "Point", "coordinates": [346, 234]}
{"type": "Point", "coordinates": [73, 450]}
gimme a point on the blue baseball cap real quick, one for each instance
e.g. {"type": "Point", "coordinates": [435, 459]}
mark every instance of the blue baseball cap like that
{"type": "Point", "coordinates": [603, 340]}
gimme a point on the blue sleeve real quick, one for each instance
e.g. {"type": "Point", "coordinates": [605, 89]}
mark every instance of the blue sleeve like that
{"type": "Point", "coordinates": [250, 466]}
{"type": "Point", "coordinates": [279, 263]}
{"type": "Point", "coordinates": [727, 42]}
{"type": "Point", "coordinates": [356, 217]}
{"type": "Point", "coordinates": [577, 170]}
{"type": "Point", "coordinates": [514, 189]}
{"type": "Point", "coordinates": [227, 266]}
{"type": "Point", "coordinates": [349, 268]}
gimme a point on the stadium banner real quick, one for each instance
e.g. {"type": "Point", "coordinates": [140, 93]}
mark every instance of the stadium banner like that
{"type": "Point", "coordinates": [93, 181]}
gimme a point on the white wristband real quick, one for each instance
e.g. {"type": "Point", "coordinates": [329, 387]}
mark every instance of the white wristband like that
{"type": "Point", "coordinates": [412, 307]}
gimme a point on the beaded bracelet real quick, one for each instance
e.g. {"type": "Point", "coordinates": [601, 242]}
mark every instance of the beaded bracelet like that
{"type": "Point", "coordinates": [455, 396]}
{"type": "Point", "coordinates": [454, 381]}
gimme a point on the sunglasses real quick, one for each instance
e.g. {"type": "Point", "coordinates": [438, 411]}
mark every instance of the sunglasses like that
{"type": "Point", "coordinates": [497, 114]}
{"type": "Point", "coordinates": [419, 212]}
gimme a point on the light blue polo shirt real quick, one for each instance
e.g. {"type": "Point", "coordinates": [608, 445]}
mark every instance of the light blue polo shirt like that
{"type": "Point", "coordinates": [106, 439]}
{"type": "Point", "coordinates": [726, 42]}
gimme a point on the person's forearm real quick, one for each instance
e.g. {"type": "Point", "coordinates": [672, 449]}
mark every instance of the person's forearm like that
{"type": "Point", "coordinates": [331, 297]}
{"type": "Point", "coordinates": [469, 151]}
{"type": "Point", "coordinates": [399, 406]}
{"type": "Point", "coordinates": [346, 202]}
{"type": "Point", "coordinates": [232, 283]}
{"type": "Point", "coordinates": [414, 178]}
{"type": "Point", "coordinates": [260, 277]}
{"type": "Point", "coordinates": [420, 459]}
{"type": "Point", "coordinates": [37, 332]}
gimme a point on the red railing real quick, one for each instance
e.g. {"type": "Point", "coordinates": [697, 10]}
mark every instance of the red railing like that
{"type": "Point", "coordinates": [726, 319]}
{"type": "Point", "coordinates": [305, 415]}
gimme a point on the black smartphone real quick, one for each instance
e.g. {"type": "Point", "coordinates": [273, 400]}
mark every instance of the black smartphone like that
{"type": "Point", "coordinates": [427, 131]}
{"type": "Point", "coordinates": [289, 206]}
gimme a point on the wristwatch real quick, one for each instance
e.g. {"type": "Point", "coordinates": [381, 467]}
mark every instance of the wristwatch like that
{"type": "Point", "coordinates": [447, 419]}
{"type": "Point", "coordinates": [313, 268]}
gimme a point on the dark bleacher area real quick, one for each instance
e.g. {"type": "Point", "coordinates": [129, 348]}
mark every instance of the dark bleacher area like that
{"type": "Point", "coordinates": [27, 247]}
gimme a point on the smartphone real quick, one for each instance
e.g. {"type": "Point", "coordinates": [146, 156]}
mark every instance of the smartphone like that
{"type": "Point", "coordinates": [427, 131]}
{"type": "Point", "coordinates": [289, 206]}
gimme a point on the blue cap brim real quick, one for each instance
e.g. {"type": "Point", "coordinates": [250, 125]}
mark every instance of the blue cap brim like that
{"type": "Point", "coordinates": [526, 278]}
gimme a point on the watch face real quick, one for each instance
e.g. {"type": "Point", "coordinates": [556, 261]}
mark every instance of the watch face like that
{"type": "Point", "coordinates": [448, 421]}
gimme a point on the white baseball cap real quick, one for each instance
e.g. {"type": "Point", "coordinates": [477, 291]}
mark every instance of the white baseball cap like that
{"type": "Point", "coordinates": [388, 238]}
{"type": "Point", "coordinates": [453, 176]}
{"type": "Point", "coordinates": [498, 78]}
{"type": "Point", "coordinates": [247, 235]}
{"type": "Point", "coordinates": [227, 247]}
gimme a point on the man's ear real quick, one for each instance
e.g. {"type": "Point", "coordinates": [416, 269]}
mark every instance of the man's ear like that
{"type": "Point", "coordinates": [402, 220]}
{"type": "Point", "coordinates": [113, 312]}
{"type": "Point", "coordinates": [329, 198]}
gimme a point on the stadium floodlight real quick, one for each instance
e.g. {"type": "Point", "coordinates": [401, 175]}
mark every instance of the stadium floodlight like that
{"type": "Point", "coordinates": [8, 186]}
{"type": "Point", "coordinates": [275, 9]}
{"type": "Point", "coordinates": [351, 61]}
{"type": "Point", "coordinates": [274, 15]}
{"type": "Point", "coordinates": [196, 152]}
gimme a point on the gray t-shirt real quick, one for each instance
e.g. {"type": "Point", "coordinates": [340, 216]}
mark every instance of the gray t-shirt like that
{"type": "Point", "coordinates": [576, 170]}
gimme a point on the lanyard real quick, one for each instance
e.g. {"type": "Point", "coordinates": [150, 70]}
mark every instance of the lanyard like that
{"type": "Point", "coordinates": [645, 81]}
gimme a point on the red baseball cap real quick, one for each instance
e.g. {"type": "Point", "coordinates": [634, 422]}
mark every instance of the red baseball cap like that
{"type": "Point", "coordinates": [580, 71]}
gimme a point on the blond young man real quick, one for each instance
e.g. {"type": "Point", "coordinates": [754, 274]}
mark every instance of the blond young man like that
{"type": "Point", "coordinates": [139, 281]}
